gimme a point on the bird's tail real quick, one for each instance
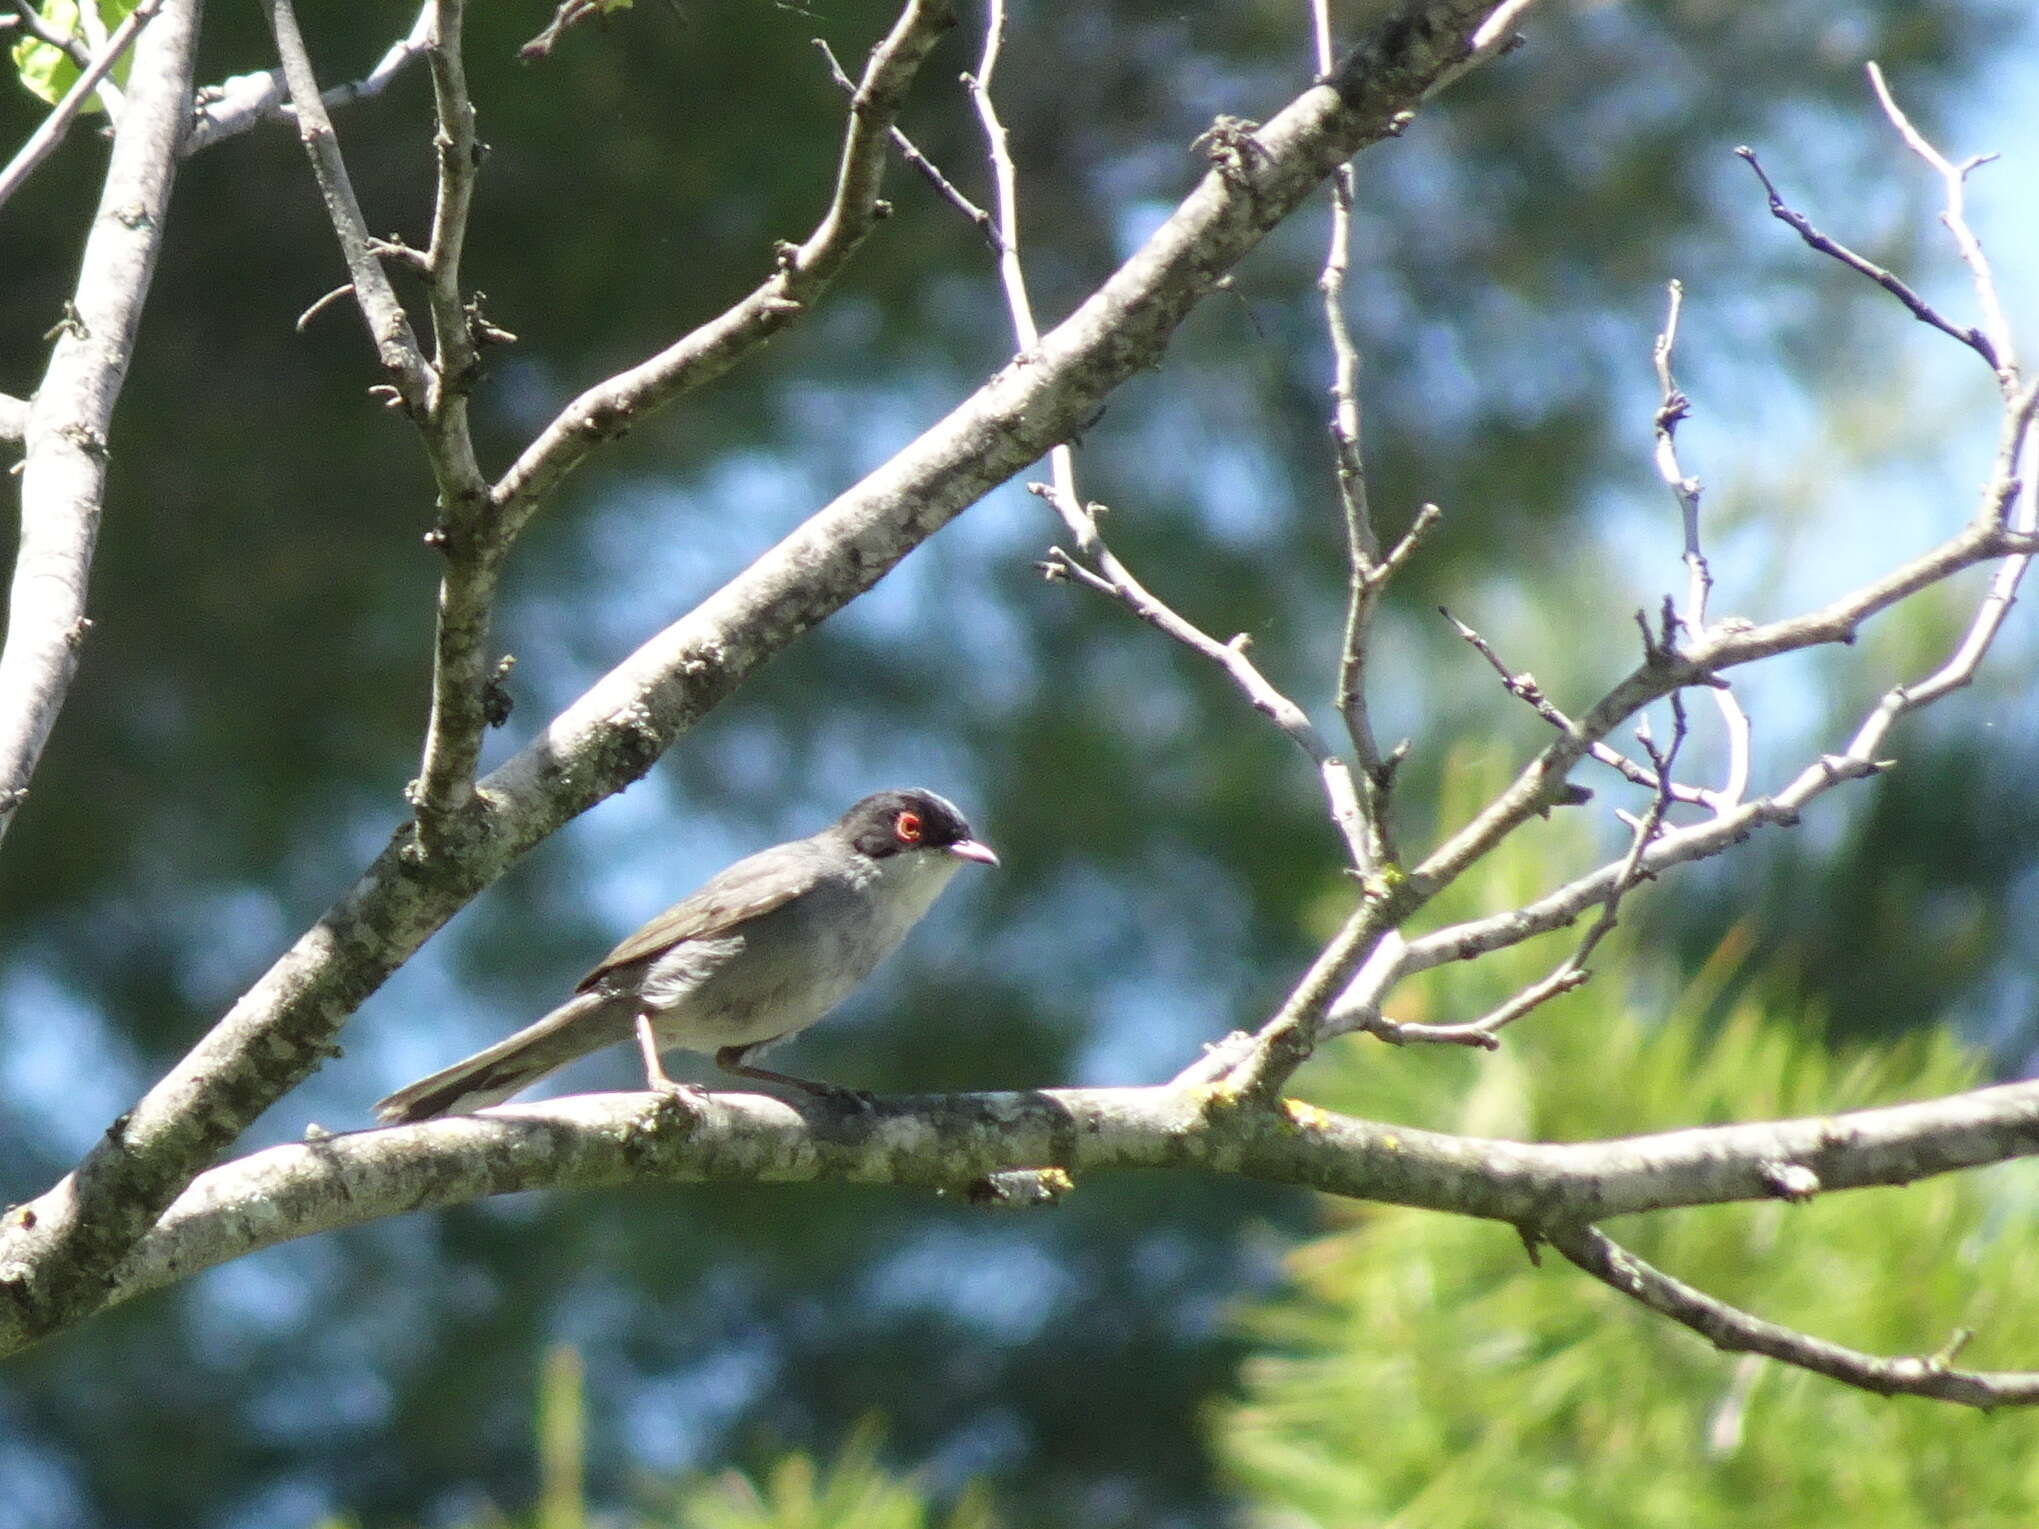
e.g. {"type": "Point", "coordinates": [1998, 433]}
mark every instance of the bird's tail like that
{"type": "Point", "coordinates": [584, 1023]}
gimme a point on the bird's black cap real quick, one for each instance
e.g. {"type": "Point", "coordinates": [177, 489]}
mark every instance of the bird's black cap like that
{"type": "Point", "coordinates": [887, 822]}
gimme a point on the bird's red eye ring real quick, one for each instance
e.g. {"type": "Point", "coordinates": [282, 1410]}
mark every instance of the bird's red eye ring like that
{"type": "Point", "coordinates": [907, 828]}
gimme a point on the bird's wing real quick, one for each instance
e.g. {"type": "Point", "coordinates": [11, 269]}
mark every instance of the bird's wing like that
{"type": "Point", "coordinates": [727, 900]}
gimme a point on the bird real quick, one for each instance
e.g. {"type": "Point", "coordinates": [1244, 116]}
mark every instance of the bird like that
{"type": "Point", "coordinates": [761, 951]}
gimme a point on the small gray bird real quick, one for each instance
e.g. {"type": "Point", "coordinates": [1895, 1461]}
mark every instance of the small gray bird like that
{"type": "Point", "coordinates": [764, 949]}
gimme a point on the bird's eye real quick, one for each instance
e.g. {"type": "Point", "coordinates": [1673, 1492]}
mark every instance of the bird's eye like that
{"type": "Point", "coordinates": [907, 828]}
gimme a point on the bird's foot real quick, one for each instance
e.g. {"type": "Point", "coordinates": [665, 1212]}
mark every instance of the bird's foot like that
{"type": "Point", "coordinates": [856, 1100]}
{"type": "Point", "coordinates": [687, 1099]}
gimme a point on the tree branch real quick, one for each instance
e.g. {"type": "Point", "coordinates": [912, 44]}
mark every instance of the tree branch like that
{"type": "Point", "coordinates": [1737, 1331]}
{"type": "Point", "coordinates": [1921, 310]}
{"type": "Point", "coordinates": [1367, 571]}
{"type": "Point", "coordinates": [1115, 581]}
{"type": "Point", "coordinates": [73, 46]}
{"type": "Point", "coordinates": [248, 100]}
{"type": "Point", "coordinates": [2001, 352]}
{"type": "Point", "coordinates": [1287, 1039]}
{"type": "Point", "coordinates": [51, 130]}
{"type": "Point", "coordinates": [389, 328]}
{"type": "Point", "coordinates": [910, 152]}
{"type": "Point", "coordinates": [602, 1140]}
{"type": "Point", "coordinates": [611, 408]}
{"type": "Point", "coordinates": [471, 546]}
{"type": "Point", "coordinates": [65, 434]}
{"type": "Point", "coordinates": [54, 1261]}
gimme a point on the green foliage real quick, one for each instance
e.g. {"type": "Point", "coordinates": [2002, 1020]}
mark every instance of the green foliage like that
{"type": "Point", "coordinates": [1420, 1371]}
{"type": "Point", "coordinates": [562, 1441]}
{"type": "Point", "coordinates": [854, 1491]}
{"type": "Point", "coordinates": [48, 72]}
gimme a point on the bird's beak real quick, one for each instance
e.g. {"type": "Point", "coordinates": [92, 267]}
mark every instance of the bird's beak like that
{"type": "Point", "coordinates": [970, 849]}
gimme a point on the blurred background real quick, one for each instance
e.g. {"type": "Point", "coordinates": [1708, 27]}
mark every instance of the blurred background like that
{"type": "Point", "coordinates": [249, 709]}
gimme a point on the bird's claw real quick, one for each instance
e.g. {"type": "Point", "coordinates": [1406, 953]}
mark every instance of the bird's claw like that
{"type": "Point", "coordinates": [683, 1098]}
{"type": "Point", "coordinates": [859, 1100]}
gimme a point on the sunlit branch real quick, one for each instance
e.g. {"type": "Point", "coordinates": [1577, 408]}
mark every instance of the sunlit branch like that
{"type": "Point", "coordinates": [1672, 407]}
{"type": "Point", "coordinates": [66, 429]}
{"type": "Point", "coordinates": [246, 101]}
{"type": "Point", "coordinates": [1367, 573]}
{"type": "Point", "coordinates": [1954, 184]}
{"type": "Point", "coordinates": [910, 152]}
{"type": "Point", "coordinates": [951, 1143]}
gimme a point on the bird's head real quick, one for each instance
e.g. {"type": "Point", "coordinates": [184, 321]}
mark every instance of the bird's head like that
{"type": "Point", "coordinates": [911, 822]}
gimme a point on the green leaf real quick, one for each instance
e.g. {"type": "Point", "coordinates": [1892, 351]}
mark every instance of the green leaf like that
{"type": "Point", "coordinates": [47, 71]}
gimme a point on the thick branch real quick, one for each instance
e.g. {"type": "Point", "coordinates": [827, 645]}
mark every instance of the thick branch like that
{"type": "Point", "coordinates": [280, 1030]}
{"type": "Point", "coordinates": [65, 435]}
{"type": "Point", "coordinates": [601, 1140]}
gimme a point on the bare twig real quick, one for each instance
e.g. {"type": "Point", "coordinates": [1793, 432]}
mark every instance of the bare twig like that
{"type": "Point", "coordinates": [1367, 573]}
{"type": "Point", "coordinates": [51, 130]}
{"type": "Point", "coordinates": [1727, 1327]}
{"type": "Point", "coordinates": [803, 273]}
{"type": "Point", "coordinates": [1358, 1008]}
{"type": "Point", "coordinates": [1954, 182]}
{"type": "Point", "coordinates": [1572, 972]}
{"type": "Point", "coordinates": [1012, 276]}
{"type": "Point", "coordinates": [458, 152]}
{"type": "Point", "coordinates": [1672, 407]}
{"type": "Point", "coordinates": [1921, 310]}
{"type": "Point", "coordinates": [1290, 1036]}
{"type": "Point", "coordinates": [1524, 687]}
{"type": "Point", "coordinates": [1428, 517]}
{"type": "Point", "coordinates": [66, 428]}
{"type": "Point", "coordinates": [434, 394]}
{"type": "Point", "coordinates": [928, 170]}
{"type": "Point", "coordinates": [389, 328]}
{"type": "Point", "coordinates": [247, 100]}
{"type": "Point", "coordinates": [1094, 564]}
{"type": "Point", "coordinates": [1112, 578]}
{"type": "Point", "coordinates": [74, 46]}
{"type": "Point", "coordinates": [565, 15]}
{"type": "Point", "coordinates": [338, 295]}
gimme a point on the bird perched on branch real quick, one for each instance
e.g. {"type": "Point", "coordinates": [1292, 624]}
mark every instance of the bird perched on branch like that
{"type": "Point", "coordinates": [760, 952]}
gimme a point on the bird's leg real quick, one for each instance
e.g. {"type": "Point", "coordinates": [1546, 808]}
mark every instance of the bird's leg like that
{"type": "Point", "coordinates": [731, 1060]}
{"type": "Point", "coordinates": [655, 1077]}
